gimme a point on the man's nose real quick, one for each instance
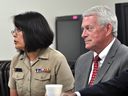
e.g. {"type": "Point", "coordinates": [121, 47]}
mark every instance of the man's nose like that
{"type": "Point", "coordinates": [84, 33]}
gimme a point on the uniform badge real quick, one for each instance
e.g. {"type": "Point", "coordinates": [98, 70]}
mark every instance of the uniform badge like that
{"type": "Point", "coordinates": [43, 70]}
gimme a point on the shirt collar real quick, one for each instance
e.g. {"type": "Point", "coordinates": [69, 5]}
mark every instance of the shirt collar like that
{"type": "Point", "coordinates": [104, 53]}
{"type": "Point", "coordinates": [44, 54]}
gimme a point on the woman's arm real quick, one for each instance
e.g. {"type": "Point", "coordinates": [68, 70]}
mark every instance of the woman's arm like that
{"type": "Point", "coordinates": [13, 92]}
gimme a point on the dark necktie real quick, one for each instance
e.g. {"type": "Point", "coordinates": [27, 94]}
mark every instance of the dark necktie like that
{"type": "Point", "coordinates": [95, 70]}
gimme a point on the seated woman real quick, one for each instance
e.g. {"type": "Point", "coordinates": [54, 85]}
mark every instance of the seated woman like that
{"type": "Point", "coordinates": [36, 64]}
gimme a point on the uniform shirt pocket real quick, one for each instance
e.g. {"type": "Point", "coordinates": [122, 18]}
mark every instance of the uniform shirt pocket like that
{"type": "Point", "coordinates": [41, 79]}
{"type": "Point", "coordinates": [18, 76]}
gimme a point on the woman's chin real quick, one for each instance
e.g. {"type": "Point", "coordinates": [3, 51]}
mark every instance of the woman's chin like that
{"type": "Point", "coordinates": [16, 47]}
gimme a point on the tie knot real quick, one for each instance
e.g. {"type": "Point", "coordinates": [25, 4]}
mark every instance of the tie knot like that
{"type": "Point", "coordinates": [97, 58]}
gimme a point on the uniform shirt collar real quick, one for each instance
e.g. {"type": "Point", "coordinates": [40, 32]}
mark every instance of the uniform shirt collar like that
{"type": "Point", "coordinates": [43, 54]}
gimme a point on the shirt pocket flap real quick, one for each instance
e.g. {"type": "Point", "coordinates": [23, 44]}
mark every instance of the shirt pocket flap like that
{"type": "Point", "coordinates": [18, 75]}
{"type": "Point", "coordinates": [42, 76]}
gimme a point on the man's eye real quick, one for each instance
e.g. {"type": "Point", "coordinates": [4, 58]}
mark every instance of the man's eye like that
{"type": "Point", "coordinates": [89, 29]}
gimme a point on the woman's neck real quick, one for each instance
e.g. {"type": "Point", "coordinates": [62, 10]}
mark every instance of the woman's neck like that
{"type": "Point", "coordinates": [33, 55]}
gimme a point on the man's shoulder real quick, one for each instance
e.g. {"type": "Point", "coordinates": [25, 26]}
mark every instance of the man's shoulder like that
{"type": "Point", "coordinates": [119, 47]}
{"type": "Point", "coordinates": [122, 46]}
{"type": "Point", "coordinates": [86, 54]}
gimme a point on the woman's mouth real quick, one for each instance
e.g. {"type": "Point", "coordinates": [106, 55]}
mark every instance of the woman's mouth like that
{"type": "Point", "coordinates": [15, 42]}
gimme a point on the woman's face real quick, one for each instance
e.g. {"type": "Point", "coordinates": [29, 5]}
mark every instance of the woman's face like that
{"type": "Point", "coordinates": [18, 39]}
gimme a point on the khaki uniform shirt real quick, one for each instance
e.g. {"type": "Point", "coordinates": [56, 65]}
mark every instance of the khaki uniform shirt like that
{"type": "Point", "coordinates": [30, 79]}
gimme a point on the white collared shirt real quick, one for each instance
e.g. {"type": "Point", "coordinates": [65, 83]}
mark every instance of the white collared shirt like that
{"type": "Point", "coordinates": [102, 56]}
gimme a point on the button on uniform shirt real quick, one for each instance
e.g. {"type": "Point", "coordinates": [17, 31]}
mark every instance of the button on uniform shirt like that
{"type": "Point", "coordinates": [102, 56]}
{"type": "Point", "coordinates": [32, 79]}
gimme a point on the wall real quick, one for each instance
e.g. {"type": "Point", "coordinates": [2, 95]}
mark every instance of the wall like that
{"type": "Point", "coordinates": [111, 3]}
{"type": "Point", "coordinates": [49, 8]}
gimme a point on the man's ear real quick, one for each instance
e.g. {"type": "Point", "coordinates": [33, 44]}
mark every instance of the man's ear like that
{"type": "Point", "coordinates": [109, 28]}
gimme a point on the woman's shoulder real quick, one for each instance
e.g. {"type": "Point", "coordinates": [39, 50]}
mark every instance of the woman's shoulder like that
{"type": "Point", "coordinates": [55, 52]}
{"type": "Point", "coordinates": [17, 57]}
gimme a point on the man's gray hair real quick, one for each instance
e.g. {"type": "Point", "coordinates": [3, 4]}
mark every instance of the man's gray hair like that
{"type": "Point", "coordinates": [105, 16]}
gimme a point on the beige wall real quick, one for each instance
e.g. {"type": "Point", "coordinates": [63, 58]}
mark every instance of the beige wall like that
{"type": "Point", "coordinates": [49, 8]}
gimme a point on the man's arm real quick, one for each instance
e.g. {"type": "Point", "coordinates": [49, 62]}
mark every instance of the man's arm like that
{"type": "Point", "coordinates": [115, 87]}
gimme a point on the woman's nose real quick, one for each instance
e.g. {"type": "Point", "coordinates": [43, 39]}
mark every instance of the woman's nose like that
{"type": "Point", "coordinates": [14, 34]}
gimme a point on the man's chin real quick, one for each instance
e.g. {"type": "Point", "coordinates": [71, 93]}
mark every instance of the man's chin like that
{"type": "Point", "coordinates": [87, 47]}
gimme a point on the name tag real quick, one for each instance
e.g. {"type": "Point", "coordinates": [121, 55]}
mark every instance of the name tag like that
{"type": "Point", "coordinates": [18, 69]}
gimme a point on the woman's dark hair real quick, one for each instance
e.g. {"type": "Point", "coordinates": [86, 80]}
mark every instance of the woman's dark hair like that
{"type": "Point", "coordinates": [36, 30]}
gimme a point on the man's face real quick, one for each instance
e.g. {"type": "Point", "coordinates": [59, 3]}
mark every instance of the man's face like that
{"type": "Point", "coordinates": [94, 35]}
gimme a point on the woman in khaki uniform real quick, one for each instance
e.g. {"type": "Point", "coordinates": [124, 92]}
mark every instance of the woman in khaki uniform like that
{"type": "Point", "coordinates": [36, 64]}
